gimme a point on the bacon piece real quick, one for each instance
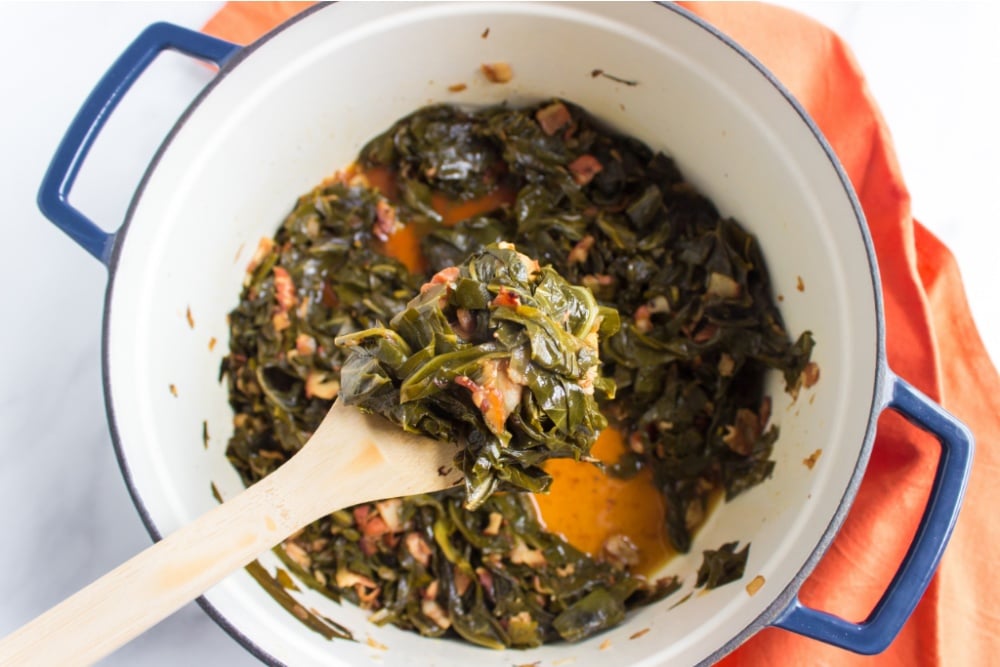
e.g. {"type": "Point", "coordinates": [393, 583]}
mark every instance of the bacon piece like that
{"type": "Point", "coordinates": [391, 512]}
{"type": "Point", "coordinates": [506, 297]}
{"type": "Point", "coordinates": [498, 72]}
{"type": "Point", "coordinates": [433, 611]}
{"type": "Point", "coordinates": [319, 386]}
{"type": "Point", "coordinates": [493, 528]}
{"type": "Point", "coordinates": [553, 117]}
{"type": "Point", "coordinates": [621, 551]}
{"type": "Point", "coordinates": [418, 548]}
{"type": "Point", "coordinates": [810, 374]}
{"type": "Point", "coordinates": [385, 220]}
{"type": "Point", "coordinates": [524, 555]}
{"type": "Point", "coordinates": [446, 276]}
{"type": "Point", "coordinates": [642, 317]}
{"type": "Point", "coordinates": [580, 251]}
{"type": "Point", "coordinates": [305, 344]}
{"type": "Point", "coordinates": [584, 168]}
{"type": "Point", "coordinates": [721, 285]}
{"type": "Point", "coordinates": [498, 395]}
{"type": "Point", "coordinates": [465, 325]}
{"type": "Point", "coordinates": [284, 289]}
{"type": "Point", "coordinates": [485, 578]}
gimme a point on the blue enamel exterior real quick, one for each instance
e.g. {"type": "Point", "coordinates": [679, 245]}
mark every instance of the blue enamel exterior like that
{"type": "Point", "coordinates": [875, 633]}
{"type": "Point", "coordinates": [53, 196]}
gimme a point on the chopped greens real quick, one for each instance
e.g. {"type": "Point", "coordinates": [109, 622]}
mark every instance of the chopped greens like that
{"type": "Point", "coordinates": [722, 566]}
{"type": "Point", "coordinates": [698, 333]}
{"type": "Point", "coordinates": [499, 354]}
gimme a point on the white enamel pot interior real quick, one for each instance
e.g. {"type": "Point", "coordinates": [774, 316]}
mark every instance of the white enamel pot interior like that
{"type": "Point", "coordinates": [288, 112]}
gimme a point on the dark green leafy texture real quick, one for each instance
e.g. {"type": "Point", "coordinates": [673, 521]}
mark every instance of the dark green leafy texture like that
{"type": "Point", "coordinates": [497, 353]}
{"type": "Point", "coordinates": [699, 330]}
{"type": "Point", "coordinates": [722, 566]}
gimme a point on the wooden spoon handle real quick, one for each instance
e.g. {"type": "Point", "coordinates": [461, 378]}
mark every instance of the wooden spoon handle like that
{"type": "Point", "coordinates": [352, 458]}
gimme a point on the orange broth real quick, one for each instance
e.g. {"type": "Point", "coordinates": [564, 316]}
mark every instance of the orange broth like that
{"type": "Point", "coordinates": [584, 505]}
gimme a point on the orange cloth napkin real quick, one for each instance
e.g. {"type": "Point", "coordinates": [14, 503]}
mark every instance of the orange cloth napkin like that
{"type": "Point", "coordinates": [931, 341]}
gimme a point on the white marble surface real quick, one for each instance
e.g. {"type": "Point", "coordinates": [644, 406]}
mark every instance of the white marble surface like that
{"type": "Point", "coordinates": [66, 515]}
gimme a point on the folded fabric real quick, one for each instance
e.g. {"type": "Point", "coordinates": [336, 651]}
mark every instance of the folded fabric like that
{"type": "Point", "coordinates": [931, 341]}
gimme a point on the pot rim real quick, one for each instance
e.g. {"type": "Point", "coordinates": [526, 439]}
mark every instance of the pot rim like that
{"type": "Point", "coordinates": [783, 599]}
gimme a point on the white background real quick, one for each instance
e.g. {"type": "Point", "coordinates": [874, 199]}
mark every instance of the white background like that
{"type": "Point", "coordinates": [65, 514]}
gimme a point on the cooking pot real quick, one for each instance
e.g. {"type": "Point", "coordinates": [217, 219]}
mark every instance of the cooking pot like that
{"type": "Point", "coordinates": [287, 111]}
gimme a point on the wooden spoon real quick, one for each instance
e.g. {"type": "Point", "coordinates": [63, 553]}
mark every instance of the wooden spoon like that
{"type": "Point", "coordinates": [351, 458]}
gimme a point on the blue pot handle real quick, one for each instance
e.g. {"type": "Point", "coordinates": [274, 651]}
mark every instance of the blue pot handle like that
{"type": "Point", "coordinates": [53, 196]}
{"type": "Point", "coordinates": [875, 633]}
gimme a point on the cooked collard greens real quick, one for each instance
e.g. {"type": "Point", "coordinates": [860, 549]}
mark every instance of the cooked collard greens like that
{"type": "Point", "coordinates": [699, 331]}
{"type": "Point", "coordinates": [498, 354]}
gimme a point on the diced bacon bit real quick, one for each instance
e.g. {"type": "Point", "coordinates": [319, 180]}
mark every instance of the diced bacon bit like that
{"type": "Point", "coordinates": [659, 304]}
{"type": "Point", "coordinates": [465, 323]}
{"type": "Point", "coordinates": [493, 528]}
{"type": "Point", "coordinates": [329, 298]}
{"type": "Point", "coordinates": [385, 220]}
{"type": "Point", "coordinates": [264, 248]}
{"type": "Point", "coordinates": [553, 117]}
{"type": "Point", "coordinates": [810, 374]}
{"type": "Point", "coordinates": [522, 554]}
{"type": "Point", "coordinates": [741, 436]}
{"type": "Point", "coordinates": [506, 297]}
{"type": "Point", "coordinates": [764, 411]}
{"type": "Point", "coordinates": [726, 365]}
{"type": "Point", "coordinates": [580, 251]}
{"type": "Point", "coordinates": [566, 570]}
{"type": "Point", "coordinates": [432, 610]}
{"type": "Point", "coordinates": [375, 527]}
{"type": "Point", "coordinates": [597, 280]}
{"type": "Point", "coordinates": [281, 321]}
{"type": "Point", "coordinates": [284, 289]}
{"type": "Point", "coordinates": [584, 168]}
{"type": "Point", "coordinates": [369, 599]}
{"type": "Point", "coordinates": [485, 578]}
{"type": "Point", "coordinates": [391, 512]}
{"type": "Point", "coordinates": [297, 554]}
{"type": "Point", "coordinates": [360, 514]}
{"type": "Point", "coordinates": [705, 333]}
{"type": "Point", "coordinates": [723, 286]}
{"type": "Point", "coordinates": [346, 579]}
{"type": "Point", "coordinates": [418, 548]}
{"type": "Point", "coordinates": [303, 310]}
{"type": "Point", "coordinates": [462, 581]}
{"type": "Point", "coordinates": [497, 397]}
{"type": "Point", "coordinates": [319, 386]}
{"type": "Point", "coordinates": [636, 442]}
{"type": "Point", "coordinates": [446, 276]}
{"type": "Point", "coordinates": [621, 551]}
{"type": "Point", "coordinates": [318, 544]}
{"type": "Point", "coordinates": [305, 344]}
{"type": "Point", "coordinates": [432, 590]}
{"type": "Point", "coordinates": [538, 587]}
{"type": "Point", "coordinates": [498, 72]}
{"type": "Point", "coordinates": [643, 319]}
{"type": "Point", "coordinates": [312, 227]}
